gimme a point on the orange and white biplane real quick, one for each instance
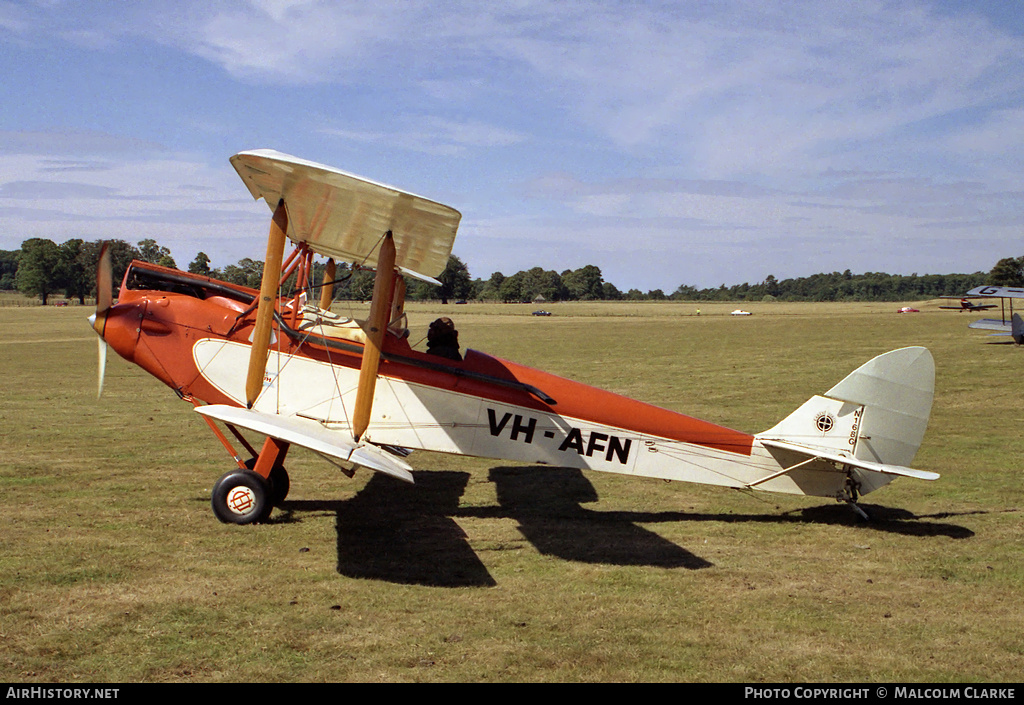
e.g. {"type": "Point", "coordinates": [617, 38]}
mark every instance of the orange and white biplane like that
{"type": "Point", "coordinates": [356, 393]}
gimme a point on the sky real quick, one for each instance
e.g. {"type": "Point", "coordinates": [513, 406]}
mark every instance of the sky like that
{"type": "Point", "coordinates": [668, 143]}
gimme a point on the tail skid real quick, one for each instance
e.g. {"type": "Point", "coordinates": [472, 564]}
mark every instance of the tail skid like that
{"type": "Point", "coordinates": [871, 423]}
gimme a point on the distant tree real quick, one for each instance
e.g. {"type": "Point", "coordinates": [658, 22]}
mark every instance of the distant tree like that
{"type": "Point", "coordinates": [583, 284]}
{"type": "Point", "coordinates": [76, 269]}
{"type": "Point", "coordinates": [151, 252]}
{"type": "Point", "coordinates": [539, 282]}
{"type": "Point", "coordinates": [476, 289]}
{"type": "Point", "coordinates": [455, 280]}
{"type": "Point", "coordinates": [200, 265]}
{"type": "Point", "coordinates": [609, 292]}
{"type": "Point", "coordinates": [360, 286]}
{"type": "Point", "coordinates": [248, 272]}
{"type": "Point", "coordinates": [37, 268]}
{"type": "Point", "coordinates": [1008, 271]}
{"type": "Point", "coordinates": [415, 289]}
{"type": "Point", "coordinates": [684, 292]}
{"type": "Point", "coordinates": [512, 288]}
{"type": "Point", "coordinates": [8, 269]}
{"type": "Point", "coordinates": [491, 289]}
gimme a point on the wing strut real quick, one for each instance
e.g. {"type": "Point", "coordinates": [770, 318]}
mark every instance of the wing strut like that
{"type": "Point", "coordinates": [267, 303]}
{"type": "Point", "coordinates": [380, 312]}
{"type": "Point", "coordinates": [327, 287]}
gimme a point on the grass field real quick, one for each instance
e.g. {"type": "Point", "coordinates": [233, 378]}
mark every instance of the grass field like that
{"type": "Point", "coordinates": [113, 568]}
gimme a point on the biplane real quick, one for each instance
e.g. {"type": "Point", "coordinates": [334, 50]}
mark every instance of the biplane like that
{"type": "Point", "coordinates": [282, 365]}
{"type": "Point", "coordinates": [967, 305]}
{"type": "Point", "coordinates": [1009, 323]}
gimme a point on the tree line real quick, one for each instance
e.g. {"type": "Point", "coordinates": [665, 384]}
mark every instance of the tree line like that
{"type": "Point", "coordinates": [43, 268]}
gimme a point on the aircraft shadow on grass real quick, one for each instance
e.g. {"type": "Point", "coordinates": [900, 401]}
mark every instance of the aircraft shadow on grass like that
{"type": "Point", "coordinates": [408, 534]}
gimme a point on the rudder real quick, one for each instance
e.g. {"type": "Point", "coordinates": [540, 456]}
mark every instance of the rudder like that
{"type": "Point", "coordinates": [878, 414]}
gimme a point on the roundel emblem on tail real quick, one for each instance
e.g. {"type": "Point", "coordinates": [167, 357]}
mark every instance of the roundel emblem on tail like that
{"type": "Point", "coordinates": [824, 421]}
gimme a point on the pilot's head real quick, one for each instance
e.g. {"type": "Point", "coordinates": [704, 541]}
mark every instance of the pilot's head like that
{"type": "Point", "coordinates": [442, 329]}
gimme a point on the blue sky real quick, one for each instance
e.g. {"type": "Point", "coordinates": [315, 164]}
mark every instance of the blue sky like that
{"type": "Point", "coordinates": [666, 142]}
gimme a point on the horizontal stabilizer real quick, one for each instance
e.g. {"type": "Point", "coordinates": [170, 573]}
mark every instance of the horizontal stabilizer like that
{"type": "Point", "coordinates": [848, 459]}
{"type": "Point", "coordinates": [310, 434]}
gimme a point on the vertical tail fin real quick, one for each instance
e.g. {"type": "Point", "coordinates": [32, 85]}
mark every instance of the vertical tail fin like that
{"type": "Point", "coordinates": [878, 414]}
{"type": "Point", "coordinates": [896, 390]}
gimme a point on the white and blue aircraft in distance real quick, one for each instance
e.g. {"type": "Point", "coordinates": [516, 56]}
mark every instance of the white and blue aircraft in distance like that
{"type": "Point", "coordinates": [1009, 323]}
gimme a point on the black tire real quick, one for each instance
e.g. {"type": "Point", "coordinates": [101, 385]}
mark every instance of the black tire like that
{"type": "Point", "coordinates": [241, 497]}
{"type": "Point", "coordinates": [280, 483]}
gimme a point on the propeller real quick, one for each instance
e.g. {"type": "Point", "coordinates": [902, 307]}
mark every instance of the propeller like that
{"type": "Point", "coordinates": [102, 359]}
{"type": "Point", "coordinates": [98, 320]}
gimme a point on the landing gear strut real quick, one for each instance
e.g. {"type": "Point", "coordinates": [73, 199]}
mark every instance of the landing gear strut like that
{"type": "Point", "coordinates": [248, 494]}
{"type": "Point", "coordinates": [849, 495]}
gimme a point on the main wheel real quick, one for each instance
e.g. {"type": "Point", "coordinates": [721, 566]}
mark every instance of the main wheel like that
{"type": "Point", "coordinates": [241, 497]}
{"type": "Point", "coordinates": [279, 482]}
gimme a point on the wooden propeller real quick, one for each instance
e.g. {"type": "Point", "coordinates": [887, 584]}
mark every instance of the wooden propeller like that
{"type": "Point", "coordinates": [267, 303]}
{"type": "Point", "coordinates": [104, 298]}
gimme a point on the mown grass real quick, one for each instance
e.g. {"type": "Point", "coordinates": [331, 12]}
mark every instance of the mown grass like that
{"type": "Point", "coordinates": [113, 568]}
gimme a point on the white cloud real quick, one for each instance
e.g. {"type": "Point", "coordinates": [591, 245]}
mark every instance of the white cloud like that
{"type": "Point", "coordinates": [816, 135]}
{"type": "Point", "coordinates": [738, 87]}
{"type": "Point", "coordinates": [183, 203]}
{"type": "Point", "coordinates": [434, 135]}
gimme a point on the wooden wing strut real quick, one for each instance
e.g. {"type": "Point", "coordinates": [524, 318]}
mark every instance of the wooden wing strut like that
{"type": "Point", "coordinates": [267, 303]}
{"type": "Point", "coordinates": [380, 312]}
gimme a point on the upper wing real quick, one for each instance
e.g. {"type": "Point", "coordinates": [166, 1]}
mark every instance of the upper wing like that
{"type": "Point", "coordinates": [310, 434]}
{"type": "Point", "coordinates": [1003, 292]}
{"type": "Point", "coordinates": [343, 216]}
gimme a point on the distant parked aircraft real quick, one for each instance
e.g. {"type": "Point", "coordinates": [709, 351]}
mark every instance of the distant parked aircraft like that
{"type": "Point", "coordinates": [1009, 323]}
{"type": "Point", "coordinates": [966, 305]}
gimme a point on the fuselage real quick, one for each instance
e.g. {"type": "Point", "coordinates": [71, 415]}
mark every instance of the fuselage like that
{"type": "Point", "coordinates": [193, 334]}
